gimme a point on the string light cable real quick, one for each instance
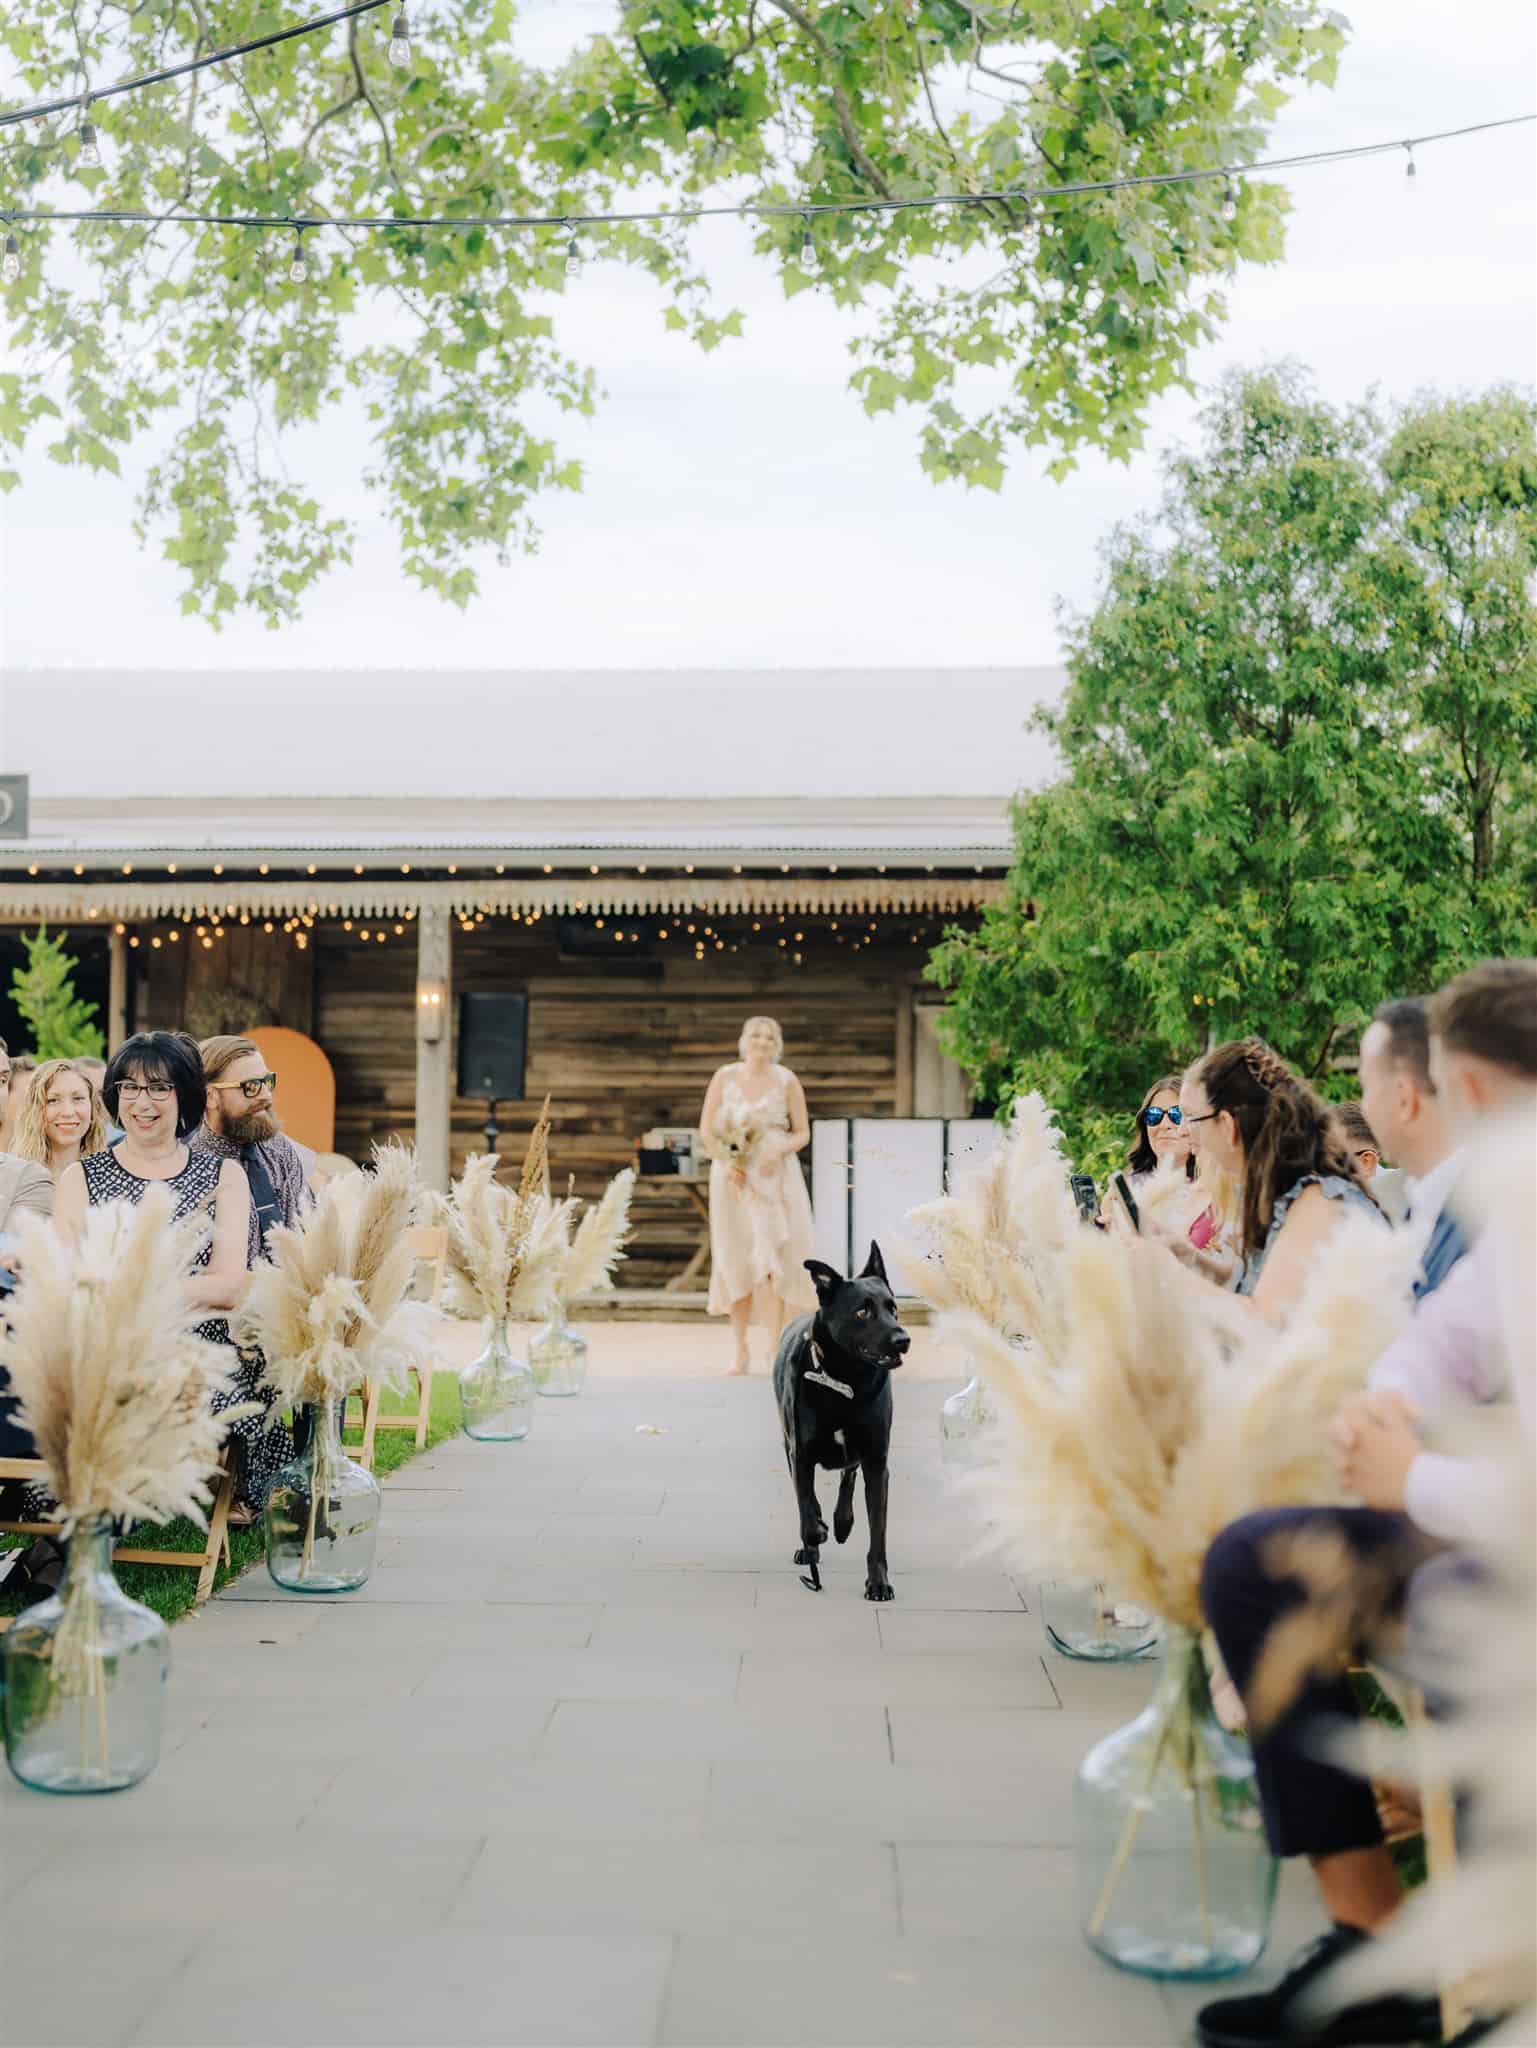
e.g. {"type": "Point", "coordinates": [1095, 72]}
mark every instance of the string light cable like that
{"type": "Point", "coordinates": [11, 117]}
{"type": "Point", "coordinates": [568, 223]}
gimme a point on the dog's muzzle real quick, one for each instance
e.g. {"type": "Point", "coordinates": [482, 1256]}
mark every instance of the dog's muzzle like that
{"type": "Point", "coordinates": [897, 1349]}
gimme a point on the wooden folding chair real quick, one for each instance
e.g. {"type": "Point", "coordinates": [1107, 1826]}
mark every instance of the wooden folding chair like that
{"type": "Point", "coordinates": [204, 1562]}
{"type": "Point", "coordinates": [430, 1246]}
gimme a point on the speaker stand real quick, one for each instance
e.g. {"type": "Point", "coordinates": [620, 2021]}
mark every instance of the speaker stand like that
{"type": "Point", "coordinates": [492, 1130]}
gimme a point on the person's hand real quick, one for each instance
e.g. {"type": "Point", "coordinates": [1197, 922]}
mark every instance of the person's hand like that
{"type": "Point", "coordinates": [11, 1262]}
{"type": "Point", "coordinates": [739, 1179]}
{"type": "Point", "coordinates": [1375, 1440]}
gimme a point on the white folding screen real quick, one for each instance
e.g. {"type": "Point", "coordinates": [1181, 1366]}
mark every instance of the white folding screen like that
{"type": "Point", "coordinates": [867, 1172]}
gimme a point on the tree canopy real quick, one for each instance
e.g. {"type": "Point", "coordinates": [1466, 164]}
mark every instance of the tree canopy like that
{"type": "Point", "coordinates": [199, 343]}
{"type": "Point", "coordinates": [1300, 751]}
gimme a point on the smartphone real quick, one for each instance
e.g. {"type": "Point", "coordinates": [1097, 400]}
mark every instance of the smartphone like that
{"type": "Point", "coordinates": [1086, 1195]}
{"type": "Point", "coordinates": [1129, 1199]}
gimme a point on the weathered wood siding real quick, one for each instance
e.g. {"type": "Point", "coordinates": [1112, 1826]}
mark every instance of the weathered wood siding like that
{"type": "Point", "coordinates": [617, 1051]}
{"type": "Point", "coordinates": [617, 1047]}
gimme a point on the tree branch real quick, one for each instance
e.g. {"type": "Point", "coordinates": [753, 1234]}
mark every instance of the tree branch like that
{"type": "Point", "coordinates": [863, 162]}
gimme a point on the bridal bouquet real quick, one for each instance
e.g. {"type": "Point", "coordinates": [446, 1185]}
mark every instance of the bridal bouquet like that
{"type": "Point", "coordinates": [737, 1135]}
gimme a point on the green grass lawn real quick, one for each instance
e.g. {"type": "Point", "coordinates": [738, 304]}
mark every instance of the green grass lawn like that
{"type": "Point", "coordinates": [170, 1592]}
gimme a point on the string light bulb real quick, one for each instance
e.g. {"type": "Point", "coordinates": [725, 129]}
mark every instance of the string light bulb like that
{"type": "Point", "coordinates": [400, 42]}
{"type": "Point", "coordinates": [1229, 201]}
{"type": "Point", "coordinates": [808, 246]}
{"type": "Point", "coordinates": [298, 268]}
{"type": "Point", "coordinates": [573, 258]}
{"type": "Point", "coordinates": [89, 157]}
{"type": "Point", "coordinates": [1411, 169]}
{"type": "Point", "coordinates": [10, 262]}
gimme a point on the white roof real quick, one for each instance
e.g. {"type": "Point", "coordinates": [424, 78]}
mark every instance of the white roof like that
{"type": "Point", "coordinates": [643, 737]}
{"type": "Point", "coordinates": [341, 832]}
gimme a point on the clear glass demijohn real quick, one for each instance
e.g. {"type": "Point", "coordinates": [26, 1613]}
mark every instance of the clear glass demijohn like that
{"type": "Point", "coordinates": [1174, 1877]}
{"type": "Point", "coordinates": [1087, 1620]}
{"type": "Point", "coordinates": [82, 1679]}
{"type": "Point", "coordinates": [496, 1392]}
{"type": "Point", "coordinates": [322, 1515]}
{"type": "Point", "coordinates": [558, 1356]}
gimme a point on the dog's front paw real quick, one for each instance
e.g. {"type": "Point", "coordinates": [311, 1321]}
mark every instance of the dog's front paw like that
{"type": "Point", "coordinates": [878, 1587]}
{"type": "Point", "coordinates": [843, 1526]}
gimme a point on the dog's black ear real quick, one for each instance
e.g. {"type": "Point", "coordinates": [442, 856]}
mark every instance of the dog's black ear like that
{"type": "Point", "coordinates": [824, 1280]}
{"type": "Point", "coordinates": [875, 1266]}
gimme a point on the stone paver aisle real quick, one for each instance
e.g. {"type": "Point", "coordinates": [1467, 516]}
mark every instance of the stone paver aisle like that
{"type": "Point", "coordinates": [585, 1763]}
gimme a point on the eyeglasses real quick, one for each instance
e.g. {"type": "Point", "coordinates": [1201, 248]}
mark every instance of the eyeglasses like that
{"type": "Point", "coordinates": [250, 1089]}
{"type": "Point", "coordinates": [157, 1091]}
{"type": "Point", "coordinates": [1154, 1117]}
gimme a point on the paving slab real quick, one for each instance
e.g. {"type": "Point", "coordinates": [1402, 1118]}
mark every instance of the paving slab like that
{"type": "Point", "coordinates": [585, 1763]}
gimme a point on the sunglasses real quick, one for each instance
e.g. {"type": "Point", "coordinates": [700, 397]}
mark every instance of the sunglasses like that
{"type": "Point", "coordinates": [1154, 1117]}
{"type": "Point", "coordinates": [250, 1089]}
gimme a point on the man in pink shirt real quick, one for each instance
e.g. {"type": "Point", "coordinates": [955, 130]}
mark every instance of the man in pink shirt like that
{"type": "Point", "coordinates": [1480, 1067]}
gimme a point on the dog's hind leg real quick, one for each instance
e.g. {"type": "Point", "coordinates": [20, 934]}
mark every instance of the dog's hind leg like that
{"type": "Point", "coordinates": [843, 1513]}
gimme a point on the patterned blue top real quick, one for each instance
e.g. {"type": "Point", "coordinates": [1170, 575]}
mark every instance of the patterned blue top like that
{"type": "Point", "coordinates": [1336, 1187]}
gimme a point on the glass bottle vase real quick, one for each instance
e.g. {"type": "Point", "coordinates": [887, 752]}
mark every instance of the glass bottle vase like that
{"type": "Point", "coordinates": [558, 1356]}
{"type": "Point", "coordinates": [963, 1419]}
{"type": "Point", "coordinates": [496, 1392]}
{"type": "Point", "coordinates": [82, 1678]}
{"type": "Point", "coordinates": [1173, 1873]}
{"type": "Point", "coordinates": [1087, 1621]}
{"type": "Point", "coordinates": [322, 1515]}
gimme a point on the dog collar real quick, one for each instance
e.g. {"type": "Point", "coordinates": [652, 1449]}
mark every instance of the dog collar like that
{"type": "Point", "coordinates": [825, 1379]}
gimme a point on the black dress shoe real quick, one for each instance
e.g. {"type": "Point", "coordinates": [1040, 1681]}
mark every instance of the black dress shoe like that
{"type": "Point", "coordinates": [1297, 2013]}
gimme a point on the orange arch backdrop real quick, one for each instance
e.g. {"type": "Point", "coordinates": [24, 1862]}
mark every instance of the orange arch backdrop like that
{"type": "Point", "coordinates": [306, 1095]}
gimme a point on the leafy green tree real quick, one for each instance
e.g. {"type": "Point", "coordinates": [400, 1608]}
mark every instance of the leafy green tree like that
{"type": "Point", "coordinates": [197, 342]}
{"type": "Point", "coordinates": [1300, 752]}
{"type": "Point", "coordinates": [61, 1023]}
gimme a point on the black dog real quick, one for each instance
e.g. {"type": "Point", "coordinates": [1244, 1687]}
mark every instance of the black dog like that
{"type": "Point", "coordinates": [832, 1379]}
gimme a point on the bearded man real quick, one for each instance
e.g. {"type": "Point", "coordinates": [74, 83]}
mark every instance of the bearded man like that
{"type": "Point", "coordinates": [241, 1124]}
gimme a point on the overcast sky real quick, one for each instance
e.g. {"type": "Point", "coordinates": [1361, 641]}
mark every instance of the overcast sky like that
{"type": "Point", "coordinates": [740, 512]}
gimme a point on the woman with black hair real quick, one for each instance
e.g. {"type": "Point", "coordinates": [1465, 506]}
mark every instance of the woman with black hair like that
{"type": "Point", "coordinates": [155, 1091]}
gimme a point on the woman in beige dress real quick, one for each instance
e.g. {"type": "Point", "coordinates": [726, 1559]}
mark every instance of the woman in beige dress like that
{"type": "Point", "coordinates": [760, 1213]}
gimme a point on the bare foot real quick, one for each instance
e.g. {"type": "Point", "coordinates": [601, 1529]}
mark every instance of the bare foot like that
{"type": "Point", "coordinates": [743, 1365]}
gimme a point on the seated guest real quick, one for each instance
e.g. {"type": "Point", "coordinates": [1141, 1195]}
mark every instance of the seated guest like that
{"type": "Point", "coordinates": [26, 1189]}
{"type": "Point", "coordinates": [1360, 1139]}
{"type": "Point", "coordinates": [155, 1089]}
{"type": "Point", "coordinates": [240, 1123]}
{"type": "Point", "coordinates": [1481, 1065]}
{"type": "Point", "coordinates": [95, 1071]}
{"type": "Point", "coordinates": [1260, 1124]}
{"type": "Point", "coordinates": [1163, 1144]}
{"type": "Point", "coordinates": [19, 1069]}
{"type": "Point", "coordinates": [62, 1119]}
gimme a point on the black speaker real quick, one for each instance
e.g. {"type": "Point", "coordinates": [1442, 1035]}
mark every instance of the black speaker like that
{"type": "Point", "coordinates": [493, 1043]}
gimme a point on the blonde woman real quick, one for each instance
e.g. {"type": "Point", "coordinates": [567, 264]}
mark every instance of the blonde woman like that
{"type": "Point", "coordinates": [62, 1119]}
{"type": "Point", "coordinates": [760, 1213]}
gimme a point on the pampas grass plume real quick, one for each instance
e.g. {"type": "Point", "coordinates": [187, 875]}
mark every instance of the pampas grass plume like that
{"type": "Point", "coordinates": [111, 1383]}
{"type": "Point", "coordinates": [598, 1245]}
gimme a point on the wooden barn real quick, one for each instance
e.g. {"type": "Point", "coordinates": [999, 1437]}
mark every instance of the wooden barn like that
{"type": "Point", "coordinates": [640, 932]}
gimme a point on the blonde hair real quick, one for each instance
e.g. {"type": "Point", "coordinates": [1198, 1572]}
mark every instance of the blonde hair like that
{"type": "Point", "coordinates": [31, 1139]}
{"type": "Point", "coordinates": [769, 1024]}
{"type": "Point", "coordinates": [220, 1054]}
